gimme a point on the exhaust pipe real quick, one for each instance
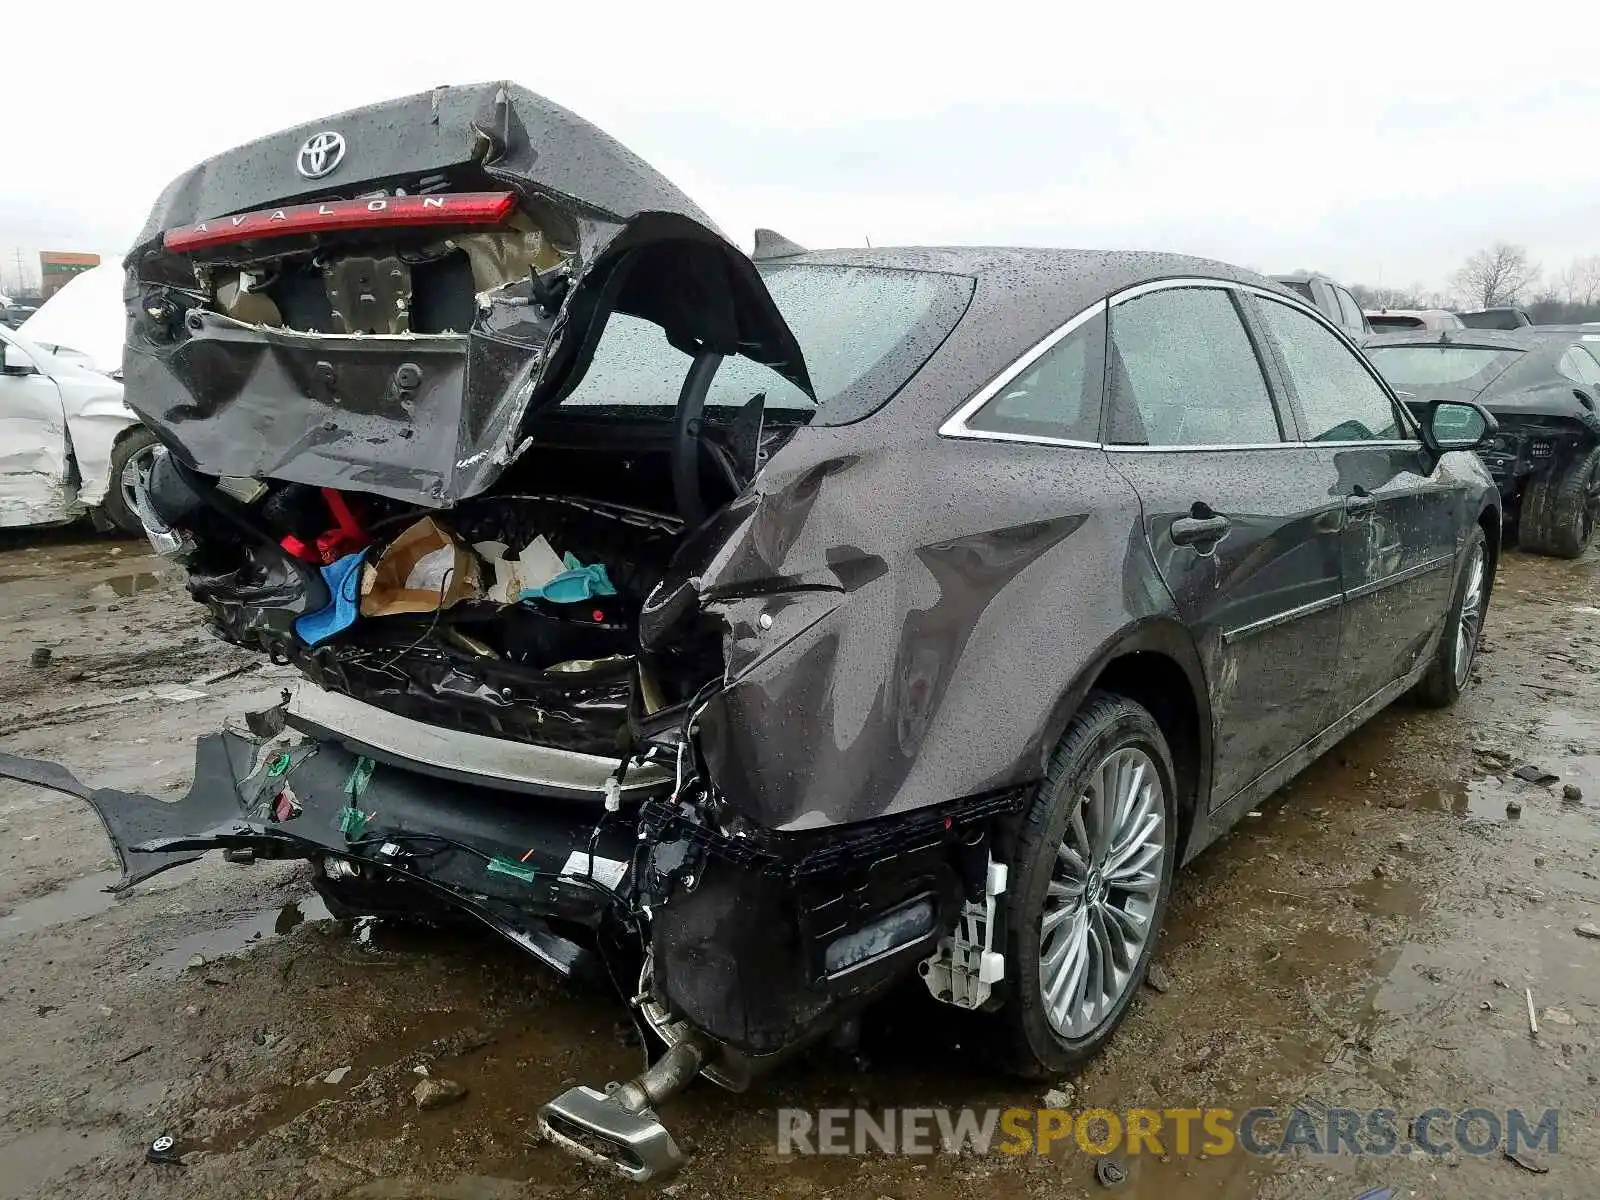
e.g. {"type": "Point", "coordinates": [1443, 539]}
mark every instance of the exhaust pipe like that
{"type": "Point", "coordinates": [618, 1128]}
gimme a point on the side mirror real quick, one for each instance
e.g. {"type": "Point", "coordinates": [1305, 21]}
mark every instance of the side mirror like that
{"type": "Point", "coordinates": [14, 362]}
{"type": "Point", "coordinates": [1457, 425]}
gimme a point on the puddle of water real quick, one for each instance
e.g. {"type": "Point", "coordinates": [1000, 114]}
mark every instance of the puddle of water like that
{"type": "Point", "coordinates": [133, 583]}
{"type": "Point", "coordinates": [37, 1157]}
{"type": "Point", "coordinates": [81, 898]}
{"type": "Point", "coordinates": [241, 934]}
{"type": "Point", "coordinates": [1388, 897]}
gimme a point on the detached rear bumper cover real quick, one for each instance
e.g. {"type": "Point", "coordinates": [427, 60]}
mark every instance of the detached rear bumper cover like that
{"type": "Point", "coordinates": [511, 860]}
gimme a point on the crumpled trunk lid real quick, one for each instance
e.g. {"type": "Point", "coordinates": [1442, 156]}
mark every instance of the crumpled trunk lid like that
{"type": "Point", "coordinates": [434, 413]}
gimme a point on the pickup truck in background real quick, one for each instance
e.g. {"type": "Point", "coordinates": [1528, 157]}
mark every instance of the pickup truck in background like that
{"type": "Point", "coordinates": [1331, 299]}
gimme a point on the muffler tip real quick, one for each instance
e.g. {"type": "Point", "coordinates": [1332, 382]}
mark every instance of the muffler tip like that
{"type": "Point", "coordinates": [595, 1126]}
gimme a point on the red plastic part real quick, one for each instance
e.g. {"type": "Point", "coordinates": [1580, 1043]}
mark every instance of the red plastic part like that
{"type": "Point", "coordinates": [333, 216]}
{"type": "Point", "coordinates": [346, 536]}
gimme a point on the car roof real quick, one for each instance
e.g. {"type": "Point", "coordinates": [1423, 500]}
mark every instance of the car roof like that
{"type": "Point", "coordinates": [1020, 295]}
{"type": "Point", "coordinates": [1077, 277]}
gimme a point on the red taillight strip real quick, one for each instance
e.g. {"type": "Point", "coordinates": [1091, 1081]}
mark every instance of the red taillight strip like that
{"type": "Point", "coordinates": [451, 208]}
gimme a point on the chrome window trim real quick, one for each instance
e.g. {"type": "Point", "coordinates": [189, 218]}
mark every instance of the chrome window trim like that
{"type": "Point", "coordinates": [955, 425]}
{"type": "Point", "coordinates": [1114, 448]}
{"type": "Point", "coordinates": [1406, 443]}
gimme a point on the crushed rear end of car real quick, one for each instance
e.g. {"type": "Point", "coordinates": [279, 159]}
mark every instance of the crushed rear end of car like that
{"type": "Point", "coordinates": [536, 587]}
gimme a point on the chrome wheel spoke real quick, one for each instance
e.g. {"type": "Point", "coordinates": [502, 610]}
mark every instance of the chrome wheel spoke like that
{"type": "Point", "coordinates": [1135, 866]}
{"type": "Point", "coordinates": [1057, 967]}
{"type": "Point", "coordinates": [1079, 846]}
{"type": "Point", "coordinates": [1065, 996]}
{"type": "Point", "coordinates": [1128, 927]}
{"type": "Point", "coordinates": [1053, 920]}
{"type": "Point", "coordinates": [1071, 863]}
{"type": "Point", "coordinates": [1134, 841]}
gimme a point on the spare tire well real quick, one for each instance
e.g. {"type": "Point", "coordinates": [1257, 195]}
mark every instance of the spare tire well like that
{"type": "Point", "coordinates": [1162, 687]}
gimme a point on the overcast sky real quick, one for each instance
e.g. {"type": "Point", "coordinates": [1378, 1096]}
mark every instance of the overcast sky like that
{"type": "Point", "coordinates": [1380, 143]}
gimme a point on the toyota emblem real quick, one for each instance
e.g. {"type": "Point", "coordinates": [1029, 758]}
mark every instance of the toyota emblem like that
{"type": "Point", "coordinates": [320, 154]}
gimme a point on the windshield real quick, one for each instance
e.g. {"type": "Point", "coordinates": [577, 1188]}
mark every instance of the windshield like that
{"type": "Point", "coordinates": [1461, 368]}
{"type": "Point", "coordinates": [1301, 289]}
{"type": "Point", "coordinates": [864, 331]}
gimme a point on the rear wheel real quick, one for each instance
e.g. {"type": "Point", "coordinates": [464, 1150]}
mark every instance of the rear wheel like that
{"type": "Point", "coordinates": [1458, 643]}
{"type": "Point", "coordinates": [130, 460]}
{"type": "Point", "coordinates": [1093, 872]}
{"type": "Point", "coordinates": [1560, 506]}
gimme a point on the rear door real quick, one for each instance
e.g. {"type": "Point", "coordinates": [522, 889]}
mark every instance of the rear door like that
{"type": "Point", "coordinates": [34, 462]}
{"type": "Point", "coordinates": [1238, 516]}
{"type": "Point", "coordinates": [1403, 512]}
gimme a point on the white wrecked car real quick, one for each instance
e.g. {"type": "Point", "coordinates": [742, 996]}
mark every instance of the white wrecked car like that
{"type": "Point", "coordinates": [69, 446]}
{"type": "Point", "coordinates": [85, 321]}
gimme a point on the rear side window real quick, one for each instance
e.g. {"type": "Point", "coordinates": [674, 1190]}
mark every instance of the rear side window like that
{"type": "Point", "coordinates": [1338, 395]}
{"type": "Point", "coordinates": [1577, 366]}
{"type": "Point", "coordinates": [1184, 373]}
{"type": "Point", "coordinates": [1057, 395]}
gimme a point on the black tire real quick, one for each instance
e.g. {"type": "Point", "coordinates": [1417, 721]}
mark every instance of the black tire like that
{"type": "Point", "coordinates": [1448, 674]}
{"type": "Point", "coordinates": [1106, 726]}
{"type": "Point", "coordinates": [130, 448]}
{"type": "Point", "coordinates": [1559, 508]}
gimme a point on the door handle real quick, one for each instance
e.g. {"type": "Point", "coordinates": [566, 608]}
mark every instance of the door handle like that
{"type": "Point", "coordinates": [1195, 531]}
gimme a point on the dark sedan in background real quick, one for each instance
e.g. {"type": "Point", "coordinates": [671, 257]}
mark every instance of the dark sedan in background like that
{"type": "Point", "coordinates": [1543, 386]}
{"type": "Point", "coordinates": [914, 612]}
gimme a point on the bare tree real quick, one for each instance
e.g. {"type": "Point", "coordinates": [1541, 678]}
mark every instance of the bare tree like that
{"type": "Point", "coordinates": [1497, 275]}
{"type": "Point", "coordinates": [1579, 281]}
{"type": "Point", "coordinates": [1370, 297]}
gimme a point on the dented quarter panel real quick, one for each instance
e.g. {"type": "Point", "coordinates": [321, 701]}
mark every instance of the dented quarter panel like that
{"type": "Point", "coordinates": [927, 582]}
{"type": "Point", "coordinates": [933, 671]}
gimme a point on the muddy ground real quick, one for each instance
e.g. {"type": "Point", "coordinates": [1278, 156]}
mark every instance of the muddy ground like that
{"type": "Point", "coordinates": [1365, 940]}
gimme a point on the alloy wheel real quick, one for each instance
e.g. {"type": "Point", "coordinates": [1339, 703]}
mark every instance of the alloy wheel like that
{"type": "Point", "coordinates": [134, 470]}
{"type": "Point", "coordinates": [1470, 621]}
{"type": "Point", "coordinates": [1104, 889]}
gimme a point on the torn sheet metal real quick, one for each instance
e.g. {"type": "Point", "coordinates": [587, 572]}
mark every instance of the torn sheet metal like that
{"type": "Point", "coordinates": [430, 417]}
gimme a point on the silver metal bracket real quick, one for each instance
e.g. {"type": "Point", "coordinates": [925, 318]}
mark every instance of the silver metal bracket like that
{"type": "Point", "coordinates": [966, 966]}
